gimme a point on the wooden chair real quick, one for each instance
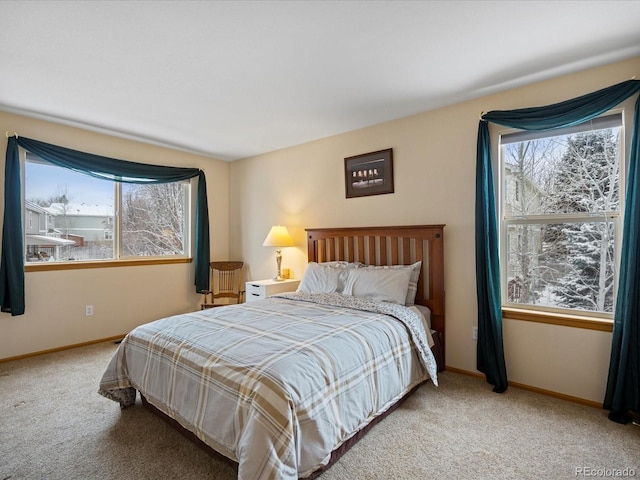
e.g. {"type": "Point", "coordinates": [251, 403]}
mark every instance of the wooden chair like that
{"type": "Point", "coordinates": [226, 284]}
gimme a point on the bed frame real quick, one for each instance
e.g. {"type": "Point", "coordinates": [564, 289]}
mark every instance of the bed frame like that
{"type": "Point", "coordinates": [373, 246]}
{"type": "Point", "coordinates": [392, 246]}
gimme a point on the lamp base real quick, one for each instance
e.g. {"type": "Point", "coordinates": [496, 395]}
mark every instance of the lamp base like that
{"type": "Point", "coordinates": [279, 277]}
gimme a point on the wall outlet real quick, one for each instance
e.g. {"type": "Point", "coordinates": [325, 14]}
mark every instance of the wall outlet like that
{"type": "Point", "coordinates": [88, 310]}
{"type": "Point", "coordinates": [474, 333]}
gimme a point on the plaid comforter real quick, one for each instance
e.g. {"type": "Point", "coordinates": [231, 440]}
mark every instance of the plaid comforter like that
{"type": "Point", "coordinates": [274, 384]}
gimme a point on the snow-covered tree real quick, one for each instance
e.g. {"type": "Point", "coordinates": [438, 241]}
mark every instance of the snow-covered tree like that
{"type": "Point", "coordinates": [153, 219]}
{"type": "Point", "coordinates": [586, 180]}
{"type": "Point", "coordinates": [557, 254]}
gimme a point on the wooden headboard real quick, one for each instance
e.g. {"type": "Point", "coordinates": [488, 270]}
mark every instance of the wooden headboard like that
{"type": "Point", "coordinates": [390, 246]}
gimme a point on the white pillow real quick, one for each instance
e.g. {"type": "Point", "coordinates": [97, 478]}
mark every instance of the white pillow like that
{"type": "Point", "coordinates": [320, 278]}
{"type": "Point", "coordinates": [386, 285]}
{"type": "Point", "coordinates": [412, 290]}
{"type": "Point", "coordinates": [342, 264]}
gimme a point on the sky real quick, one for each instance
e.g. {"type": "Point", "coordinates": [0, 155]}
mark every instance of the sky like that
{"type": "Point", "coordinates": [43, 181]}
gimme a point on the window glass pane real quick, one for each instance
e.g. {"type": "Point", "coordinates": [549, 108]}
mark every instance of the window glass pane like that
{"type": "Point", "coordinates": [567, 265]}
{"type": "Point", "coordinates": [560, 209]}
{"type": "Point", "coordinates": [568, 174]}
{"type": "Point", "coordinates": [67, 215]}
{"type": "Point", "coordinates": [153, 219]}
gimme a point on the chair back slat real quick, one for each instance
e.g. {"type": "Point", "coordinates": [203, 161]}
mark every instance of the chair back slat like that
{"type": "Point", "coordinates": [226, 284]}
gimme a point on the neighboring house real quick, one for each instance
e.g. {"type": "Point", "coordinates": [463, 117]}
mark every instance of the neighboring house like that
{"type": "Point", "coordinates": [92, 223]}
{"type": "Point", "coordinates": [60, 231]}
{"type": "Point", "coordinates": [521, 197]}
{"type": "Point", "coordinates": [42, 241]}
{"type": "Point", "coordinates": [36, 219]}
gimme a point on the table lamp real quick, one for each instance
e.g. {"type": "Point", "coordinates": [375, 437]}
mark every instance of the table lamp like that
{"type": "Point", "coordinates": [278, 237]}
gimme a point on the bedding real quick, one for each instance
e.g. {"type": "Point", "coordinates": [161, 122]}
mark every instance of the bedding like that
{"type": "Point", "coordinates": [425, 316]}
{"type": "Point", "coordinates": [277, 384]}
{"type": "Point", "coordinates": [425, 312]}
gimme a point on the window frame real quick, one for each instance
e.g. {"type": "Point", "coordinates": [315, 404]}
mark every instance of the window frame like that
{"type": "Point", "coordinates": [558, 316]}
{"type": "Point", "coordinates": [119, 260]}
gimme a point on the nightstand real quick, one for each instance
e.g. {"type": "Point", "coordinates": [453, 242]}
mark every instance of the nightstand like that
{"type": "Point", "coordinates": [260, 289]}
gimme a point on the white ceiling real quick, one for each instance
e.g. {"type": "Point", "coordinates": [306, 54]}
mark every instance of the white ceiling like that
{"type": "Point", "coordinates": [232, 79]}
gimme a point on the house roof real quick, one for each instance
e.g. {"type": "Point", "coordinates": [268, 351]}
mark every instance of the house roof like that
{"type": "Point", "coordinates": [34, 206]}
{"type": "Point", "coordinates": [80, 210]}
{"type": "Point", "coordinates": [46, 240]}
{"type": "Point", "coordinates": [232, 79]}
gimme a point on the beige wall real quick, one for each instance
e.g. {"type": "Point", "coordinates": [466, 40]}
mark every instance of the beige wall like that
{"type": "Point", "coordinates": [434, 169]}
{"type": "Point", "coordinates": [122, 297]}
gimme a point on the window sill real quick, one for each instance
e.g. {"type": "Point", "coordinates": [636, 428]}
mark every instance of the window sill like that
{"type": "Point", "coordinates": [575, 321]}
{"type": "Point", "coordinates": [48, 267]}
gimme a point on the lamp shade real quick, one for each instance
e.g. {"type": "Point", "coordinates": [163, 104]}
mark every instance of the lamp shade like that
{"type": "Point", "coordinates": [278, 236]}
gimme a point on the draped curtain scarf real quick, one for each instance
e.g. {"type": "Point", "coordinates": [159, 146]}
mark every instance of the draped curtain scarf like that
{"type": "Point", "coordinates": [623, 385]}
{"type": "Point", "coordinates": [12, 259]}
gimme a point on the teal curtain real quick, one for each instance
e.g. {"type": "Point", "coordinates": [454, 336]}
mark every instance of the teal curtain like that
{"type": "Point", "coordinates": [12, 259]}
{"type": "Point", "coordinates": [490, 352]}
{"type": "Point", "coordinates": [623, 387]}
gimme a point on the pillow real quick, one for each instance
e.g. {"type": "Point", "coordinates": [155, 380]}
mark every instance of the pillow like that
{"type": "Point", "coordinates": [410, 299]}
{"type": "Point", "coordinates": [319, 278]}
{"type": "Point", "coordinates": [386, 285]}
{"type": "Point", "coordinates": [342, 264]}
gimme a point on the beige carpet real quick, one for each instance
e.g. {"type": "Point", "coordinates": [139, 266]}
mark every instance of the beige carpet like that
{"type": "Point", "coordinates": [54, 426]}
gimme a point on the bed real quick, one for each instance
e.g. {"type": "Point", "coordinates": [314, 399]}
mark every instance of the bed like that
{"type": "Point", "coordinates": [283, 386]}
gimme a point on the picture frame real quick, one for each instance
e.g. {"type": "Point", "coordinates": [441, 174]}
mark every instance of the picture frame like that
{"type": "Point", "coordinates": [369, 174]}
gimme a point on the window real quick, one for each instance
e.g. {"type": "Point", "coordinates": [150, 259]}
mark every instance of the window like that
{"type": "Point", "coordinates": [82, 218]}
{"type": "Point", "coordinates": [560, 217]}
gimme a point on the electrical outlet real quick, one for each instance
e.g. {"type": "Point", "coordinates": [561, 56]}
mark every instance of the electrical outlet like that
{"type": "Point", "coordinates": [474, 333]}
{"type": "Point", "coordinates": [88, 310]}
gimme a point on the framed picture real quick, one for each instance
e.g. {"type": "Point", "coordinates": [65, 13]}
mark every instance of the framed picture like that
{"type": "Point", "coordinates": [369, 174]}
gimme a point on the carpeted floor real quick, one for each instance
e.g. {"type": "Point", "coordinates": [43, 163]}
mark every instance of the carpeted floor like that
{"type": "Point", "coordinates": [55, 426]}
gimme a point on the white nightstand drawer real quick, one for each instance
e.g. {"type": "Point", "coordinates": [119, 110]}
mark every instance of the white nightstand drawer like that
{"type": "Point", "coordinates": [260, 289]}
{"type": "Point", "coordinates": [255, 291]}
